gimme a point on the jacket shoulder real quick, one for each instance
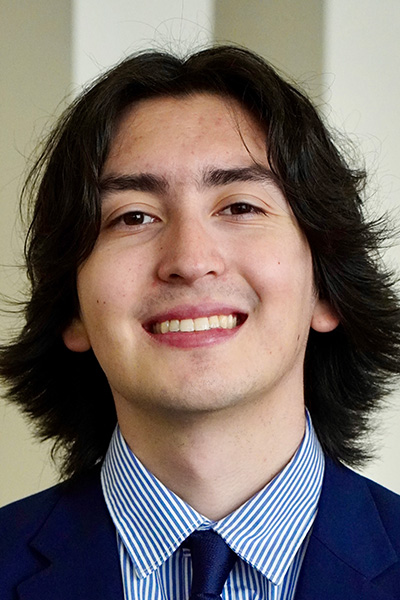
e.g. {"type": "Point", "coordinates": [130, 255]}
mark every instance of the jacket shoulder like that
{"type": "Point", "coordinates": [388, 506]}
{"type": "Point", "coordinates": [20, 522]}
{"type": "Point", "coordinates": [354, 544]}
{"type": "Point", "coordinates": [385, 499]}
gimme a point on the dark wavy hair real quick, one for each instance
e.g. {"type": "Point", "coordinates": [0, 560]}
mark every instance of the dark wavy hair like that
{"type": "Point", "coordinates": [348, 371]}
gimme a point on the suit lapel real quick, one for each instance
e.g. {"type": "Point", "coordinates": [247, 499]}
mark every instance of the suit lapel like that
{"type": "Point", "coordinates": [77, 549]}
{"type": "Point", "coordinates": [349, 546]}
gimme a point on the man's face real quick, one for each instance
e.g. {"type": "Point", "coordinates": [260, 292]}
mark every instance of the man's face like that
{"type": "Point", "coordinates": [196, 235]}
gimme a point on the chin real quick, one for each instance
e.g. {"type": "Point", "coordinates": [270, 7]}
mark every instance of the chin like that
{"type": "Point", "coordinates": [193, 401]}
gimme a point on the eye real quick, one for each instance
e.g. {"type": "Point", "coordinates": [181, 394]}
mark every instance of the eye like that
{"type": "Point", "coordinates": [132, 218]}
{"type": "Point", "coordinates": [136, 218]}
{"type": "Point", "coordinates": [241, 208]}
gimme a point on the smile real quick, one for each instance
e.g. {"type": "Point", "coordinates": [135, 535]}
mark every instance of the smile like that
{"type": "Point", "coordinates": [198, 324]}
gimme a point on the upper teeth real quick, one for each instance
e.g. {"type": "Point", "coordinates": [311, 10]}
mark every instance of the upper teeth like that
{"type": "Point", "coordinates": [199, 324]}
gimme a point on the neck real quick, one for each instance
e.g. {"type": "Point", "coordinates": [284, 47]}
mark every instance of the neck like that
{"type": "Point", "coordinates": [217, 460]}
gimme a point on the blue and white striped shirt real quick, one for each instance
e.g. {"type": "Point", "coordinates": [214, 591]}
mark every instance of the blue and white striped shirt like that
{"type": "Point", "coordinates": [269, 533]}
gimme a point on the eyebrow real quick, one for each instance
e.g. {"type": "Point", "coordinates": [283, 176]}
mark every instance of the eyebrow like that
{"type": "Point", "coordinates": [256, 172]}
{"type": "Point", "coordinates": [211, 177]}
{"type": "Point", "coordinates": [142, 182]}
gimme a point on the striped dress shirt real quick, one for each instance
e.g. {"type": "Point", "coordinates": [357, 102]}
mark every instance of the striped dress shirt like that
{"type": "Point", "coordinates": [269, 533]}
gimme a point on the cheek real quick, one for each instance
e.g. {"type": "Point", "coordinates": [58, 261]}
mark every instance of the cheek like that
{"type": "Point", "coordinates": [285, 267]}
{"type": "Point", "coordinates": [100, 292]}
{"type": "Point", "coordinates": [282, 277]}
{"type": "Point", "coordinates": [107, 279]}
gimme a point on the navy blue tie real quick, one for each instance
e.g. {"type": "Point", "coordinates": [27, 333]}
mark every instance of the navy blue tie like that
{"type": "Point", "coordinates": [212, 561]}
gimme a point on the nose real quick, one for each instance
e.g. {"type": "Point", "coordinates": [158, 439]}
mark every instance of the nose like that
{"type": "Point", "coordinates": [190, 251]}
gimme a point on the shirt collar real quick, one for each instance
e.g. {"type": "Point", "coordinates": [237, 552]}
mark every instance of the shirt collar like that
{"type": "Point", "coordinates": [269, 529]}
{"type": "Point", "coordinates": [151, 520]}
{"type": "Point", "coordinates": [265, 532]}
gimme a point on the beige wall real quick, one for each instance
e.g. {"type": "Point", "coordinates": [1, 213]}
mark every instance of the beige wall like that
{"type": "Point", "coordinates": [35, 75]}
{"type": "Point", "coordinates": [288, 33]}
{"type": "Point", "coordinates": [361, 77]}
{"type": "Point", "coordinates": [106, 31]}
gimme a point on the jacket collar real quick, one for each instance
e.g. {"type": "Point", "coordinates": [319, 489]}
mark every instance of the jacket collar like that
{"type": "Point", "coordinates": [77, 548]}
{"type": "Point", "coordinates": [349, 546]}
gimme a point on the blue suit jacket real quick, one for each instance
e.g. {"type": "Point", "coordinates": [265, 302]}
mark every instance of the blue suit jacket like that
{"type": "Point", "coordinates": [61, 544]}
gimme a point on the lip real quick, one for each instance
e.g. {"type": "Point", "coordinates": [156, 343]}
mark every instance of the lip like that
{"type": "Point", "coordinates": [197, 338]}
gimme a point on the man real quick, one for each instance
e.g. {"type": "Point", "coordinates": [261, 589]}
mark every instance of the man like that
{"type": "Point", "coordinates": [201, 271]}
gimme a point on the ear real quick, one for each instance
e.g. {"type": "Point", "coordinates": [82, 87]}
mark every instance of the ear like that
{"type": "Point", "coordinates": [324, 318]}
{"type": "Point", "coordinates": [75, 336]}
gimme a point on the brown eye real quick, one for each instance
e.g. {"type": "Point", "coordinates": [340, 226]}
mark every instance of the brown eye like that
{"type": "Point", "coordinates": [131, 220]}
{"type": "Point", "coordinates": [135, 218]}
{"type": "Point", "coordinates": [241, 208]}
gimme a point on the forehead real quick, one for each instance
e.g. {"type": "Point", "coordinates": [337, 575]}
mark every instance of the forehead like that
{"type": "Point", "coordinates": [179, 134]}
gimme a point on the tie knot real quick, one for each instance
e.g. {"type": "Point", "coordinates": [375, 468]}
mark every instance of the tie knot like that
{"type": "Point", "coordinates": [212, 561]}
